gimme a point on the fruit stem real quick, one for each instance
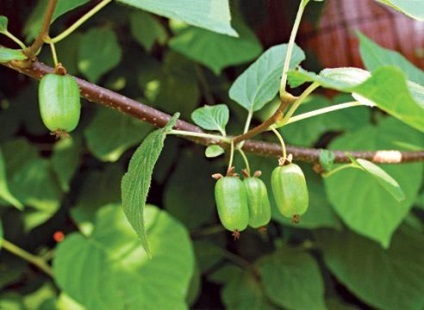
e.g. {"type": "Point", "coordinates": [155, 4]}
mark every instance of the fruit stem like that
{"type": "Point", "coordinates": [33, 259]}
{"type": "Point", "coordinates": [80, 21]}
{"type": "Point", "coordinates": [31, 51]}
{"type": "Point", "coordinates": [290, 47]}
{"type": "Point", "coordinates": [246, 161]}
{"type": "Point", "coordinates": [230, 163]}
{"type": "Point", "coordinates": [53, 49]}
{"type": "Point", "coordinates": [283, 145]}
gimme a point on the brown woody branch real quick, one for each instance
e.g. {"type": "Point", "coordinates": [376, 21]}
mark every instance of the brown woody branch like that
{"type": "Point", "coordinates": [106, 97]}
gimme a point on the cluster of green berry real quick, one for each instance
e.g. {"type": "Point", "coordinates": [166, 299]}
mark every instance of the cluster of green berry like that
{"type": "Point", "coordinates": [246, 203]}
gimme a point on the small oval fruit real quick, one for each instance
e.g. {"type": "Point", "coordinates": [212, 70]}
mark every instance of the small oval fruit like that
{"type": "Point", "coordinates": [290, 191]}
{"type": "Point", "coordinates": [258, 202]}
{"type": "Point", "coordinates": [60, 104]}
{"type": "Point", "coordinates": [231, 200]}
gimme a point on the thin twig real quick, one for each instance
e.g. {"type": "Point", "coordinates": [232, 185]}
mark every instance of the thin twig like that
{"type": "Point", "coordinates": [106, 97]}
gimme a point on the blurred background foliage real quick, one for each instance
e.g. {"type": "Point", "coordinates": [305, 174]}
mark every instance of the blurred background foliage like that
{"type": "Point", "coordinates": [73, 186]}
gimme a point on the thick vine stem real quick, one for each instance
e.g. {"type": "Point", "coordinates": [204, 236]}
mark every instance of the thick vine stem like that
{"type": "Point", "coordinates": [31, 51]}
{"type": "Point", "coordinates": [106, 97]}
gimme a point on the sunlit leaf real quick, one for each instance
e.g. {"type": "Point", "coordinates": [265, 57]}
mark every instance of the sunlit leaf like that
{"type": "Point", "coordinates": [118, 273]}
{"type": "Point", "coordinates": [212, 117]}
{"type": "Point", "coordinates": [259, 84]}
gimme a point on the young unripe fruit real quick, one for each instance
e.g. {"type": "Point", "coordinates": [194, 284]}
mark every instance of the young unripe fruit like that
{"type": "Point", "coordinates": [290, 191]}
{"type": "Point", "coordinates": [231, 200]}
{"type": "Point", "coordinates": [258, 202]}
{"type": "Point", "coordinates": [60, 103]}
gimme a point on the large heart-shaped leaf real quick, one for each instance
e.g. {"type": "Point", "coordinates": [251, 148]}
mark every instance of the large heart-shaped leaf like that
{"type": "Point", "coordinates": [394, 277]}
{"type": "Point", "coordinates": [110, 270]}
{"type": "Point", "coordinates": [365, 206]}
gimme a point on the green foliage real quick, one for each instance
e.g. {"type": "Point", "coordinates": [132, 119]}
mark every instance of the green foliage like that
{"type": "Point", "coordinates": [213, 15]}
{"type": "Point", "coordinates": [117, 272]}
{"type": "Point", "coordinates": [3, 23]}
{"type": "Point", "coordinates": [387, 271]}
{"type": "Point", "coordinates": [96, 189]}
{"type": "Point", "coordinates": [386, 88]}
{"type": "Point", "coordinates": [375, 56]}
{"type": "Point", "coordinates": [8, 54]}
{"type": "Point", "coordinates": [292, 280]}
{"type": "Point", "coordinates": [136, 181]}
{"type": "Point", "coordinates": [147, 30]}
{"type": "Point", "coordinates": [212, 117]}
{"type": "Point", "coordinates": [259, 84]}
{"type": "Point", "coordinates": [411, 8]}
{"type": "Point", "coordinates": [108, 142]}
{"type": "Point", "coordinates": [217, 51]}
{"type": "Point", "coordinates": [375, 213]}
{"type": "Point", "coordinates": [93, 61]}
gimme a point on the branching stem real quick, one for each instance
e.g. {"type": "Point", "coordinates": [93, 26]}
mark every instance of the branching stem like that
{"type": "Point", "coordinates": [31, 51]}
{"type": "Point", "coordinates": [33, 259]}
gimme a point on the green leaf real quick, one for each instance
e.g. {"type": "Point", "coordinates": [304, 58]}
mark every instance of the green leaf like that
{"type": "Point", "coordinates": [413, 9]}
{"type": "Point", "coordinates": [35, 20]}
{"type": "Point", "coordinates": [384, 179]}
{"type": "Point", "coordinates": [146, 29]}
{"type": "Point", "coordinates": [394, 277]}
{"type": "Point", "coordinates": [363, 204]}
{"type": "Point", "coordinates": [3, 23]}
{"type": "Point", "coordinates": [64, 6]}
{"type": "Point", "coordinates": [212, 117]}
{"type": "Point", "coordinates": [93, 61]}
{"type": "Point", "coordinates": [375, 56]}
{"type": "Point", "coordinates": [260, 82]}
{"type": "Point", "coordinates": [292, 279]}
{"type": "Point", "coordinates": [177, 74]}
{"type": "Point", "coordinates": [108, 142]}
{"type": "Point", "coordinates": [213, 15]}
{"type": "Point", "coordinates": [243, 291]}
{"type": "Point", "coordinates": [136, 181]}
{"type": "Point", "coordinates": [113, 262]}
{"type": "Point", "coordinates": [326, 159]}
{"type": "Point", "coordinates": [65, 160]}
{"type": "Point", "coordinates": [5, 193]}
{"type": "Point", "coordinates": [387, 88]}
{"type": "Point", "coordinates": [214, 151]}
{"type": "Point", "coordinates": [189, 181]}
{"type": "Point", "coordinates": [35, 185]}
{"type": "Point", "coordinates": [8, 54]}
{"type": "Point", "coordinates": [1, 234]}
{"type": "Point", "coordinates": [98, 188]}
{"type": "Point", "coordinates": [217, 51]}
